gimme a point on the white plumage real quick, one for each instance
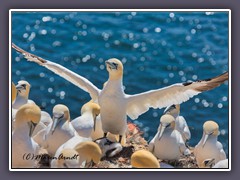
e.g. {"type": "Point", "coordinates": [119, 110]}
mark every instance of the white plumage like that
{"type": "Point", "coordinates": [168, 144]}
{"type": "Point", "coordinates": [86, 123]}
{"type": "Point", "coordinates": [209, 147]}
{"type": "Point", "coordinates": [115, 104]}
{"type": "Point", "coordinates": [180, 122]}
{"type": "Point", "coordinates": [58, 132]}
{"type": "Point", "coordinates": [24, 148]}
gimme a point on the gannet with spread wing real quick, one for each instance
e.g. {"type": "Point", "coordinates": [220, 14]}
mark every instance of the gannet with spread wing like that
{"type": "Point", "coordinates": [115, 104]}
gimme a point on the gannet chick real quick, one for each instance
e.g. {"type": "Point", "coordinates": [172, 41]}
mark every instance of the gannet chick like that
{"type": "Point", "coordinates": [60, 131]}
{"type": "Point", "coordinates": [180, 122]}
{"type": "Point", "coordinates": [109, 146]}
{"type": "Point", "coordinates": [168, 143]}
{"type": "Point", "coordinates": [23, 145]}
{"type": "Point", "coordinates": [115, 104]}
{"type": "Point", "coordinates": [14, 92]}
{"type": "Point", "coordinates": [209, 147]}
{"type": "Point", "coordinates": [144, 159]}
{"type": "Point", "coordinates": [68, 158]}
{"type": "Point", "coordinates": [86, 123]}
{"type": "Point", "coordinates": [23, 88]}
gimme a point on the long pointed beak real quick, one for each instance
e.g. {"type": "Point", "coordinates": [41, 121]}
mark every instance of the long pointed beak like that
{"type": "Point", "coordinates": [19, 87]}
{"type": "Point", "coordinates": [162, 129]}
{"type": "Point", "coordinates": [56, 121]}
{"type": "Point", "coordinates": [32, 126]}
{"type": "Point", "coordinates": [205, 140]}
{"type": "Point", "coordinates": [94, 123]}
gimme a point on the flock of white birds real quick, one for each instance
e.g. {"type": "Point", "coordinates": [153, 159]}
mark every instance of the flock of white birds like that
{"type": "Point", "coordinates": [102, 126]}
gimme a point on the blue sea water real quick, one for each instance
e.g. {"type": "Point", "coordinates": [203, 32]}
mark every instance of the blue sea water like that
{"type": "Point", "coordinates": [157, 49]}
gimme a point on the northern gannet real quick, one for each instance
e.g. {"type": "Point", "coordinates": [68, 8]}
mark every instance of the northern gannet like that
{"type": "Point", "coordinates": [86, 123]}
{"type": "Point", "coordinates": [115, 104]}
{"type": "Point", "coordinates": [109, 146]}
{"type": "Point", "coordinates": [144, 159]}
{"type": "Point", "coordinates": [98, 133]}
{"type": "Point", "coordinates": [68, 158]}
{"type": "Point", "coordinates": [23, 88]}
{"type": "Point", "coordinates": [180, 122]}
{"type": "Point", "coordinates": [24, 148]}
{"type": "Point", "coordinates": [168, 143]}
{"type": "Point", "coordinates": [209, 147]}
{"type": "Point", "coordinates": [14, 92]}
{"type": "Point", "coordinates": [58, 132]}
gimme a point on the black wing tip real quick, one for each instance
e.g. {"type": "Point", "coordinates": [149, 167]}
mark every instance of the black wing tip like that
{"type": "Point", "coordinates": [223, 76]}
{"type": "Point", "coordinates": [187, 83]}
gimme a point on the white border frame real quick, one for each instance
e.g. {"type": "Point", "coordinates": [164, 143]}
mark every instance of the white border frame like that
{"type": "Point", "coordinates": [120, 10]}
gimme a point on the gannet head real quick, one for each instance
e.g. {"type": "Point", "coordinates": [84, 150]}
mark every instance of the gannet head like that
{"type": "Point", "coordinates": [30, 114]}
{"type": "Point", "coordinates": [14, 92]}
{"type": "Point", "coordinates": [144, 159]}
{"type": "Point", "coordinates": [210, 128]}
{"type": "Point", "coordinates": [23, 88]}
{"type": "Point", "coordinates": [167, 121]}
{"type": "Point", "coordinates": [208, 163]}
{"type": "Point", "coordinates": [89, 151]}
{"type": "Point", "coordinates": [173, 110]}
{"type": "Point", "coordinates": [68, 158]}
{"type": "Point", "coordinates": [93, 108]}
{"type": "Point", "coordinates": [114, 68]}
{"type": "Point", "coordinates": [60, 114]}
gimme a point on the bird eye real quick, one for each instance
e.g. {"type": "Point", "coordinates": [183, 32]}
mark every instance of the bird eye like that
{"type": "Point", "coordinates": [168, 125]}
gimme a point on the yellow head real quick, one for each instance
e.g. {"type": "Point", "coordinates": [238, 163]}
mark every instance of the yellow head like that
{"type": "Point", "coordinates": [211, 127]}
{"type": "Point", "coordinates": [60, 115]}
{"type": "Point", "coordinates": [144, 159]}
{"type": "Point", "coordinates": [23, 88]}
{"type": "Point", "coordinates": [30, 114]}
{"type": "Point", "coordinates": [114, 68]}
{"type": "Point", "coordinates": [90, 151]}
{"type": "Point", "coordinates": [68, 158]}
{"type": "Point", "coordinates": [61, 111]}
{"type": "Point", "coordinates": [14, 92]}
{"type": "Point", "coordinates": [91, 107]}
{"type": "Point", "coordinates": [167, 122]}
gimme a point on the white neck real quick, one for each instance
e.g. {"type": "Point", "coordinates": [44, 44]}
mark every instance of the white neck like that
{"type": "Point", "coordinates": [22, 130]}
{"type": "Point", "coordinates": [20, 100]}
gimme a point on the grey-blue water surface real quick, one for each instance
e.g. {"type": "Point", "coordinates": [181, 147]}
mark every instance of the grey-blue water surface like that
{"type": "Point", "coordinates": [157, 49]}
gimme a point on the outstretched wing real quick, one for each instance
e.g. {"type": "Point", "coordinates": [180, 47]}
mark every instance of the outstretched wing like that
{"type": "Point", "coordinates": [175, 94]}
{"type": "Point", "coordinates": [70, 76]}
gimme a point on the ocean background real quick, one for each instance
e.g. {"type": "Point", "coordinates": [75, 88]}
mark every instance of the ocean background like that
{"type": "Point", "coordinates": [157, 49]}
